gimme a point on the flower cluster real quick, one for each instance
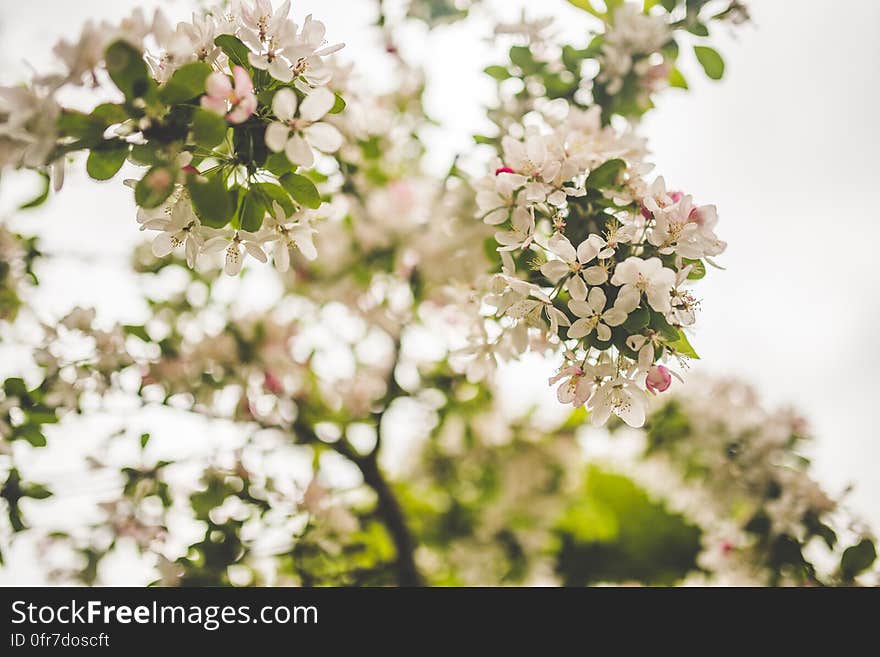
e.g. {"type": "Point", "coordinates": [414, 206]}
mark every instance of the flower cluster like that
{"type": "Point", "coordinates": [227, 111]}
{"type": "Point", "coordinates": [596, 258]}
{"type": "Point", "coordinates": [715, 454]}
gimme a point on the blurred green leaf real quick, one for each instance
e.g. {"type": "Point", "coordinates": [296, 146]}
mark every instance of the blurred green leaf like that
{"type": "Point", "coordinates": [711, 61]}
{"type": "Point", "coordinates": [208, 128]}
{"type": "Point", "coordinates": [185, 83]}
{"type": "Point", "coordinates": [103, 163]}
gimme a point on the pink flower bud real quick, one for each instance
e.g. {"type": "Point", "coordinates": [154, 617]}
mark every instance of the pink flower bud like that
{"type": "Point", "coordinates": [273, 384]}
{"type": "Point", "coordinates": [659, 379]}
{"type": "Point", "coordinates": [504, 170]}
{"type": "Point", "coordinates": [676, 196]}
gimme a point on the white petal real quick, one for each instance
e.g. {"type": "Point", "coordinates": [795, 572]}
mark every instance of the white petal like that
{"type": "Point", "coordinates": [576, 287]}
{"type": "Point", "coordinates": [299, 152]}
{"type": "Point", "coordinates": [317, 104]}
{"type": "Point", "coordinates": [280, 70]}
{"type": "Point", "coordinates": [162, 245]}
{"type": "Point", "coordinates": [282, 257]}
{"type": "Point", "coordinates": [284, 104]}
{"type": "Point", "coordinates": [596, 299]}
{"type": "Point", "coordinates": [324, 137]}
{"type": "Point", "coordinates": [276, 136]}
{"type": "Point", "coordinates": [554, 270]}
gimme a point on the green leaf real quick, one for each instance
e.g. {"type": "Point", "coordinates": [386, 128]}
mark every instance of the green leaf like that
{"type": "Point", "coordinates": [147, 154]}
{"type": "Point", "coordinates": [208, 128]}
{"type": "Point", "coordinates": [301, 189]}
{"type": "Point", "coordinates": [676, 79]}
{"type": "Point", "coordinates": [185, 83]}
{"type": "Point", "coordinates": [253, 210]}
{"type": "Point", "coordinates": [110, 113]}
{"type": "Point", "coordinates": [272, 192]}
{"type": "Point", "coordinates": [145, 438]}
{"type": "Point", "coordinates": [522, 57]}
{"type": "Point", "coordinates": [857, 558]}
{"type": "Point", "coordinates": [606, 174]}
{"type": "Point", "coordinates": [587, 6]}
{"type": "Point", "coordinates": [104, 163]}
{"type": "Point", "coordinates": [711, 61]}
{"type": "Point", "coordinates": [127, 69]}
{"type": "Point", "coordinates": [698, 271]}
{"type": "Point", "coordinates": [80, 125]}
{"type": "Point", "coordinates": [213, 203]}
{"type": "Point", "coordinates": [234, 49]}
{"type": "Point", "coordinates": [637, 320]}
{"type": "Point", "coordinates": [278, 164]}
{"type": "Point", "coordinates": [35, 491]}
{"type": "Point", "coordinates": [669, 5]}
{"type": "Point", "coordinates": [338, 105]}
{"type": "Point", "coordinates": [40, 198]}
{"type": "Point", "coordinates": [137, 331]}
{"type": "Point", "coordinates": [698, 29]}
{"type": "Point", "coordinates": [497, 72]}
{"type": "Point", "coordinates": [30, 433]}
{"type": "Point", "coordinates": [683, 347]}
{"type": "Point", "coordinates": [156, 186]}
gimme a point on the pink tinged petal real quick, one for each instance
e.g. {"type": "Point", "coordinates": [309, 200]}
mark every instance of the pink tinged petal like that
{"type": "Point", "coordinates": [276, 136]}
{"type": "Point", "coordinates": [216, 105]}
{"type": "Point", "coordinates": [284, 104]}
{"type": "Point", "coordinates": [324, 137]}
{"type": "Point", "coordinates": [659, 379]}
{"type": "Point", "coordinates": [243, 111]}
{"type": "Point", "coordinates": [299, 152]}
{"type": "Point", "coordinates": [280, 70]}
{"type": "Point", "coordinates": [217, 85]}
{"type": "Point", "coordinates": [317, 104]}
{"type": "Point", "coordinates": [162, 245]}
{"type": "Point", "coordinates": [243, 83]}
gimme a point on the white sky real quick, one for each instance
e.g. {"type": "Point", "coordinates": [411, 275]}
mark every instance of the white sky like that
{"type": "Point", "coordinates": [786, 147]}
